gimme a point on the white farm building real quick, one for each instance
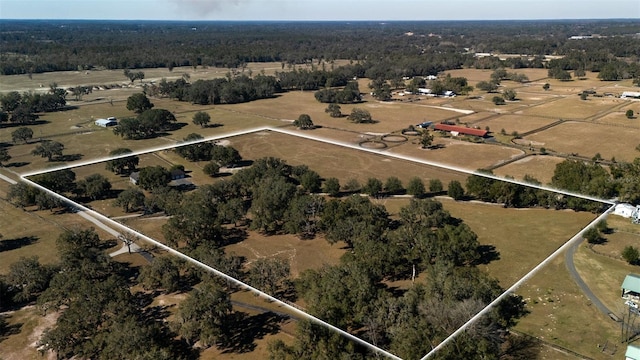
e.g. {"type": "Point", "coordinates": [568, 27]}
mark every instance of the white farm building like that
{"type": "Point", "coordinates": [111, 121]}
{"type": "Point", "coordinates": [630, 95]}
{"type": "Point", "coordinates": [624, 210]}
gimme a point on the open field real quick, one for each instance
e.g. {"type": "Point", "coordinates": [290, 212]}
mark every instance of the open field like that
{"type": "Point", "coordinates": [542, 166]}
{"type": "Point", "coordinates": [574, 108]}
{"type": "Point", "coordinates": [475, 75]}
{"type": "Point", "coordinates": [588, 139]}
{"type": "Point", "coordinates": [619, 119]}
{"type": "Point", "coordinates": [25, 234]}
{"type": "Point", "coordinates": [463, 154]}
{"type": "Point", "coordinates": [562, 315]}
{"type": "Point", "coordinates": [524, 237]}
{"type": "Point", "coordinates": [333, 161]}
{"type": "Point", "coordinates": [511, 123]}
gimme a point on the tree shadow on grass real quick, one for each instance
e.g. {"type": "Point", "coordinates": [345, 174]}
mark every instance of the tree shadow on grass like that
{"type": "Point", "coordinates": [247, 329]}
{"type": "Point", "coordinates": [68, 157]}
{"type": "Point", "coordinates": [7, 330]}
{"type": "Point", "coordinates": [235, 235]}
{"type": "Point", "coordinates": [17, 164]}
{"type": "Point", "coordinates": [488, 253]}
{"type": "Point", "coordinates": [12, 244]}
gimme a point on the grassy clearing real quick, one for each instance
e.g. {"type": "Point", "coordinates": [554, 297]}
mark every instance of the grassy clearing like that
{"type": "Point", "coordinates": [302, 254]}
{"type": "Point", "coordinates": [524, 238]}
{"type": "Point", "coordinates": [588, 139]}
{"type": "Point", "coordinates": [562, 315]}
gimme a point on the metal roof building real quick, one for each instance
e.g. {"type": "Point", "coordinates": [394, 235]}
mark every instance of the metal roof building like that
{"type": "Point", "coordinates": [631, 285]}
{"type": "Point", "coordinates": [633, 352]}
{"type": "Point", "coordinates": [107, 122]}
{"type": "Point", "coordinates": [461, 130]}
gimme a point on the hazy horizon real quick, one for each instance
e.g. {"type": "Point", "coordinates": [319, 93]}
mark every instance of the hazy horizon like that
{"type": "Point", "coordinates": [327, 10]}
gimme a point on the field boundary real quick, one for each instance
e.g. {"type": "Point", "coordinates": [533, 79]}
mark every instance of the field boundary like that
{"type": "Point", "coordinates": [106, 220]}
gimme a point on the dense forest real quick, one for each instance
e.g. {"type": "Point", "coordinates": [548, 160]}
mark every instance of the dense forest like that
{"type": "Point", "coordinates": [389, 49]}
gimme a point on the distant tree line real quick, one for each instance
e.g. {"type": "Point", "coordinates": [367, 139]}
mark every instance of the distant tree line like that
{"type": "Point", "coordinates": [387, 51]}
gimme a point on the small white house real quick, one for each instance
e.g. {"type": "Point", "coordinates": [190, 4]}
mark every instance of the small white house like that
{"type": "Point", "coordinates": [107, 122]}
{"type": "Point", "coordinates": [449, 93]}
{"type": "Point", "coordinates": [424, 91]}
{"type": "Point", "coordinates": [624, 210]}
{"type": "Point", "coordinates": [432, 77]}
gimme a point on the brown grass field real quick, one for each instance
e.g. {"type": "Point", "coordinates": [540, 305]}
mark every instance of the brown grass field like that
{"type": "Point", "coordinates": [588, 139]}
{"type": "Point", "coordinates": [332, 161]}
{"type": "Point", "coordinates": [462, 154]}
{"type": "Point", "coordinates": [511, 123]}
{"type": "Point", "coordinates": [560, 313]}
{"type": "Point", "coordinates": [542, 166]}
{"type": "Point", "coordinates": [570, 108]}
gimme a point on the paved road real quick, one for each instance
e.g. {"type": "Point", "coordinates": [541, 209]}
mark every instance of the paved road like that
{"type": "Point", "coordinates": [568, 259]}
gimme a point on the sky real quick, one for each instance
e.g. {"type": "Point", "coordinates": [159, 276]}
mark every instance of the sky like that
{"type": "Point", "coordinates": [318, 9]}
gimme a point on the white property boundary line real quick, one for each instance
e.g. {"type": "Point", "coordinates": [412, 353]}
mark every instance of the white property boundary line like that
{"type": "Point", "coordinates": [177, 253]}
{"type": "Point", "coordinates": [374, 348]}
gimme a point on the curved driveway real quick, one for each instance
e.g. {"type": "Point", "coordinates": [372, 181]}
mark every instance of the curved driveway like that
{"type": "Point", "coordinates": [571, 267]}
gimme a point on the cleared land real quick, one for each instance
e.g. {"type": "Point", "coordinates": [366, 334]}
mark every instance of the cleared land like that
{"type": "Point", "coordinates": [511, 123]}
{"type": "Point", "coordinates": [588, 139]}
{"type": "Point", "coordinates": [542, 166]}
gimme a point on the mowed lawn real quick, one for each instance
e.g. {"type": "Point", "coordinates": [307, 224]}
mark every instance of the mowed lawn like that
{"type": "Point", "coordinates": [588, 139]}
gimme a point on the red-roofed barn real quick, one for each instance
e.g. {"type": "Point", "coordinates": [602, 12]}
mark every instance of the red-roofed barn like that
{"type": "Point", "coordinates": [455, 130]}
